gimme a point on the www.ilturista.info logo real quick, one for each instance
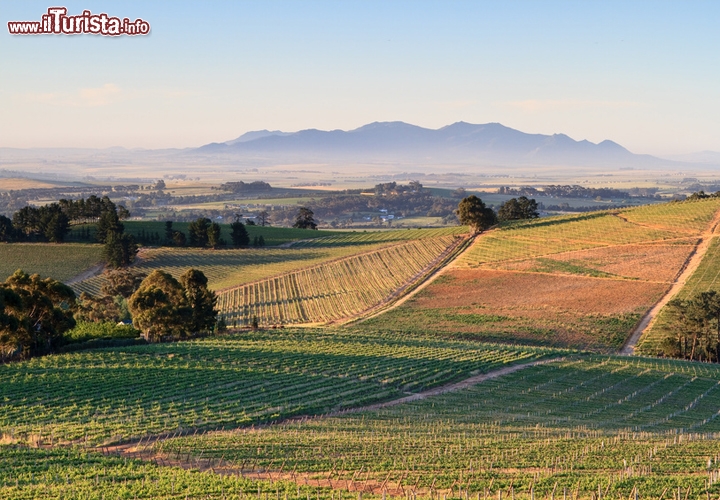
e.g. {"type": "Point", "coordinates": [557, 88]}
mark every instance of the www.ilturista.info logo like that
{"type": "Point", "coordinates": [57, 22]}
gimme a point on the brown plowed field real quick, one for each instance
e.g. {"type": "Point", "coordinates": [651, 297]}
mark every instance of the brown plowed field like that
{"type": "Point", "coordinates": [649, 262]}
{"type": "Point", "coordinates": [534, 308]}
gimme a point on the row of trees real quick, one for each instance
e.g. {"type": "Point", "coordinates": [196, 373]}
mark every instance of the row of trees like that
{"type": "Point", "coordinates": [473, 212]}
{"type": "Point", "coordinates": [205, 233]}
{"type": "Point", "coordinates": [52, 222]}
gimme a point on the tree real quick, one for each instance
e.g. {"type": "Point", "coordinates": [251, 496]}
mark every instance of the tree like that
{"type": "Point", "coordinates": [159, 308]}
{"type": "Point", "coordinates": [122, 282]}
{"type": "Point", "coordinates": [179, 238]}
{"type": "Point", "coordinates": [305, 219]}
{"type": "Point", "coordinates": [695, 327]}
{"type": "Point", "coordinates": [239, 234]}
{"type": "Point", "coordinates": [120, 249]}
{"type": "Point", "coordinates": [518, 208]}
{"type": "Point", "coordinates": [263, 218]}
{"type": "Point", "coordinates": [198, 231]}
{"type": "Point", "coordinates": [472, 212]}
{"type": "Point", "coordinates": [96, 309]}
{"type": "Point", "coordinates": [169, 232]}
{"type": "Point", "coordinates": [11, 337]}
{"type": "Point", "coordinates": [57, 227]}
{"type": "Point", "coordinates": [200, 300]}
{"type": "Point", "coordinates": [7, 232]}
{"type": "Point", "coordinates": [109, 222]}
{"type": "Point", "coordinates": [35, 314]}
{"type": "Point", "coordinates": [213, 235]}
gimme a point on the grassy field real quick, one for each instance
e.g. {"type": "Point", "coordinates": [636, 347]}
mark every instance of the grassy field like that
{"type": "Point", "coordinates": [59, 261]}
{"type": "Point", "coordinates": [580, 281]}
{"type": "Point", "coordinates": [114, 394]}
{"type": "Point", "coordinates": [335, 290]}
{"type": "Point", "coordinates": [572, 427]}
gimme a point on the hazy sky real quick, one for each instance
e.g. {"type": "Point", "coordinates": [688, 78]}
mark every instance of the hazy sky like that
{"type": "Point", "coordinates": [644, 74]}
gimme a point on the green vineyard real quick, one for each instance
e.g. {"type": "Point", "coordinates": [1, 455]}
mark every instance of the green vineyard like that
{"type": "Point", "coordinates": [122, 393]}
{"type": "Point", "coordinates": [551, 235]}
{"type": "Point", "coordinates": [577, 426]}
{"type": "Point", "coordinates": [336, 290]}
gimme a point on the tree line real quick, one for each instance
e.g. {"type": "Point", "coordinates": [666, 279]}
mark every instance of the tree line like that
{"type": "Point", "coordinates": [52, 222]}
{"type": "Point", "coordinates": [473, 212]}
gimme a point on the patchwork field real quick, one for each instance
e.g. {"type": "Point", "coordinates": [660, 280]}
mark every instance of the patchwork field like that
{"type": "Point", "coordinates": [569, 428]}
{"type": "Point", "coordinates": [553, 235]}
{"type": "Point", "coordinates": [262, 414]}
{"type": "Point", "coordinates": [582, 281]}
{"type": "Point", "coordinates": [526, 308]}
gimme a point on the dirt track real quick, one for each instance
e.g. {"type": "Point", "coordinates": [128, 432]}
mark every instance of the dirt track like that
{"type": "Point", "coordinates": [145, 451]}
{"type": "Point", "coordinates": [691, 264]}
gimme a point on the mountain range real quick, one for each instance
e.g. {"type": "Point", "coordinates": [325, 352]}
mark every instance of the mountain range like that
{"type": "Point", "coordinates": [459, 142]}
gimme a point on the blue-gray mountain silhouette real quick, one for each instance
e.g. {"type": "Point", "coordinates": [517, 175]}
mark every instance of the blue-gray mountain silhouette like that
{"type": "Point", "coordinates": [491, 142]}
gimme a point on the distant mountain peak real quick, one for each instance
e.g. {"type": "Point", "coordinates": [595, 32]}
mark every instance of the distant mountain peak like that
{"type": "Point", "coordinates": [256, 134]}
{"type": "Point", "coordinates": [489, 143]}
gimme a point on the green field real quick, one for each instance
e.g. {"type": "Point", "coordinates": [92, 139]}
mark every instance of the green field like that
{"type": "Point", "coordinates": [116, 394]}
{"type": "Point", "coordinates": [575, 426]}
{"type": "Point", "coordinates": [27, 473]}
{"type": "Point", "coordinates": [580, 425]}
{"type": "Point", "coordinates": [59, 261]}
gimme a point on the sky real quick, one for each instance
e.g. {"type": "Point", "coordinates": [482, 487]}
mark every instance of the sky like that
{"type": "Point", "coordinates": [645, 74]}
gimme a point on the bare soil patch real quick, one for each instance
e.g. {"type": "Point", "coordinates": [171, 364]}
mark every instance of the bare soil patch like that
{"type": "Point", "coordinates": [657, 262]}
{"type": "Point", "coordinates": [502, 290]}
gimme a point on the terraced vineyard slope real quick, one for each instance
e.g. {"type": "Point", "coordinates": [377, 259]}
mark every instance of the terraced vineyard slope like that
{"type": "Point", "coordinates": [571, 428]}
{"type": "Point", "coordinates": [579, 281]}
{"type": "Point", "coordinates": [229, 267]}
{"type": "Point", "coordinates": [336, 290]}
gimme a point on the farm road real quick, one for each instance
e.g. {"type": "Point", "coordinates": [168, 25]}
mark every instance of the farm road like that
{"type": "Point", "coordinates": [418, 285]}
{"type": "Point", "coordinates": [691, 265]}
{"type": "Point", "coordinates": [457, 386]}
